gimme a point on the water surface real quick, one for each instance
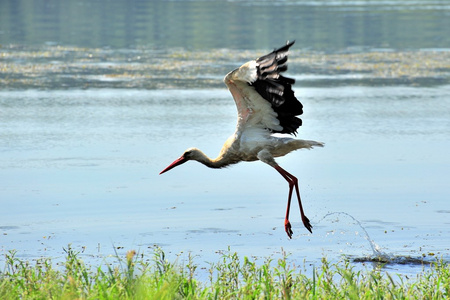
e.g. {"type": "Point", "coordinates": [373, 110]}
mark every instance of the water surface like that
{"type": "Point", "coordinates": [317, 24]}
{"type": "Point", "coordinates": [82, 168]}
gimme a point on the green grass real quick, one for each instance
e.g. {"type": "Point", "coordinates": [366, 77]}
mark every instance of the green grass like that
{"type": "Point", "coordinates": [137, 277]}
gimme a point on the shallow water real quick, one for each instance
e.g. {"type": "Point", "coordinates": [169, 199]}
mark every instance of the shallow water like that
{"type": "Point", "coordinates": [89, 120]}
{"type": "Point", "coordinates": [81, 167]}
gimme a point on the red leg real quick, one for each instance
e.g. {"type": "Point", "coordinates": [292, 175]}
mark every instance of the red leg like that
{"type": "Point", "coordinates": [287, 224]}
{"type": "Point", "coordinates": [293, 182]}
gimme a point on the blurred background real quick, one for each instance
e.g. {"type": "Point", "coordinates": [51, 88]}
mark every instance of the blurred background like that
{"type": "Point", "coordinates": [237, 24]}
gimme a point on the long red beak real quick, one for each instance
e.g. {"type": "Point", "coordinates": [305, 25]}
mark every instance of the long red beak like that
{"type": "Point", "coordinates": [177, 162]}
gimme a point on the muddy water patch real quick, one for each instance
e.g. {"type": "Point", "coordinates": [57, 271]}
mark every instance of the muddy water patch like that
{"type": "Point", "coordinates": [179, 68]}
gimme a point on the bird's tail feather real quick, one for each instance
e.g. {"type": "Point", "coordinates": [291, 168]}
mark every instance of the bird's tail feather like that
{"type": "Point", "coordinates": [308, 144]}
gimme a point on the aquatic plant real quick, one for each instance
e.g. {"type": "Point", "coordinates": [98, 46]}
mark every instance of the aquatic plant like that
{"type": "Point", "coordinates": [232, 277]}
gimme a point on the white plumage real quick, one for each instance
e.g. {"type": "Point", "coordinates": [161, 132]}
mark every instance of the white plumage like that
{"type": "Point", "coordinates": [266, 105]}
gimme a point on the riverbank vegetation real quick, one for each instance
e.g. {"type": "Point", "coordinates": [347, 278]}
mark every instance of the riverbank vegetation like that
{"type": "Point", "coordinates": [232, 277]}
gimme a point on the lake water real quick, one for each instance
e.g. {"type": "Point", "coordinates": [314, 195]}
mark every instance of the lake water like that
{"type": "Point", "coordinates": [97, 99]}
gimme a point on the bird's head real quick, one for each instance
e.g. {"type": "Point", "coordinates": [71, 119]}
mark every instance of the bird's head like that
{"type": "Point", "coordinates": [189, 154]}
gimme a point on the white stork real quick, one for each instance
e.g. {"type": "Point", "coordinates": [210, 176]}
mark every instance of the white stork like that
{"type": "Point", "coordinates": [266, 104]}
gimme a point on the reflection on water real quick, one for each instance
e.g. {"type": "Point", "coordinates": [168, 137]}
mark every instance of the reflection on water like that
{"type": "Point", "coordinates": [319, 24]}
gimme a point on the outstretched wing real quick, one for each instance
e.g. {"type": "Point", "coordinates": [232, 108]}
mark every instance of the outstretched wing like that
{"type": "Point", "coordinates": [263, 96]}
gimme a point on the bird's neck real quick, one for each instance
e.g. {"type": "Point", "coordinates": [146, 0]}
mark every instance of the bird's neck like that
{"type": "Point", "coordinates": [218, 162]}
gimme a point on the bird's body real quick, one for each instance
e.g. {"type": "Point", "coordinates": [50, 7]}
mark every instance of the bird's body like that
{"type": "Point", "coordinates": [251, 145]}
{"type": "Point", "coordinates": [267, 112]}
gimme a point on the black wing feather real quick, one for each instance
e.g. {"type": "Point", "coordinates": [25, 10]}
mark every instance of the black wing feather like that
{"type": "Point", "coordinates": [277, 89]}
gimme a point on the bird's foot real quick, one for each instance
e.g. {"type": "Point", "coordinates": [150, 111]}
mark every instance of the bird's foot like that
{"type": "Point", "coordinates": [308, 225]}
{"type": "Point", "coordinates": [287, 227]}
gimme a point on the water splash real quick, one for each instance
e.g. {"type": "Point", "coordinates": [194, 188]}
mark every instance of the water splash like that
{"type": "Point", "coordinates": [378, 254]}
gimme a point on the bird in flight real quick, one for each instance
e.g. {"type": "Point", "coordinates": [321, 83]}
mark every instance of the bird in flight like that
{"type": "Point", "coordinates": [267, 107]}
